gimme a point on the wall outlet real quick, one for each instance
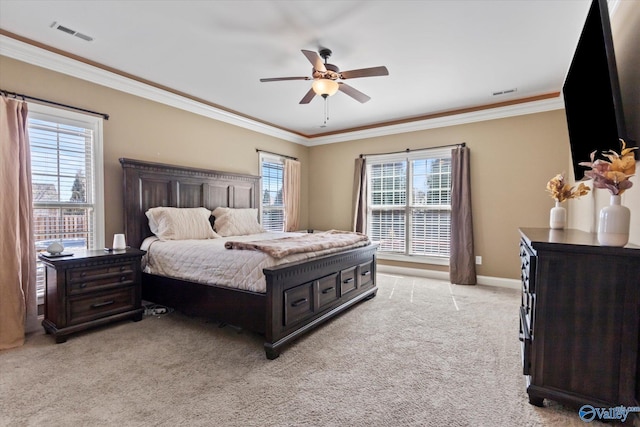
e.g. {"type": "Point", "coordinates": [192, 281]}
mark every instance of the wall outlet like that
{"type": "Point", "coordinates": [478, 260]}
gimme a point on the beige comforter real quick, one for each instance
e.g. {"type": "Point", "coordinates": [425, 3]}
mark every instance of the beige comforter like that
{"type": "Point", "coordinates": [312, 242]}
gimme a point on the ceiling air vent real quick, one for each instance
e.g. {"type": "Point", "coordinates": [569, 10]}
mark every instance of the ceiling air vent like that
{"type": "Point", "coordinates": [67, 30]}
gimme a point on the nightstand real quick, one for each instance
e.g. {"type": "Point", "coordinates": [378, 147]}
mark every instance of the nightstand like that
{"type": "Point", "coordinates": [91, 288]}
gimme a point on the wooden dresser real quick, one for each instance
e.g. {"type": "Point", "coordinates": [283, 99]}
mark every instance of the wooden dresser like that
{"type": "Point", "coordinates": [579, 319]}
{"type": "Point", "coordinates": [91, 288]}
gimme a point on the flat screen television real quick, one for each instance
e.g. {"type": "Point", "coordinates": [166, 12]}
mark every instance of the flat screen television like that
{"type": "Point", "coordinates": [591, 91]}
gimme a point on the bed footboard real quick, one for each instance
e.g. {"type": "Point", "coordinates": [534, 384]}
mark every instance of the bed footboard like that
{"type": "Point", "coordinates": [303, 295]}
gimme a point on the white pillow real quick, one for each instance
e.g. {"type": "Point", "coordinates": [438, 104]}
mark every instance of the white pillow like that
{"type": "Point", "coordinates": [180, 223]}
{"type": "Point", "coordinates": [236, 222]}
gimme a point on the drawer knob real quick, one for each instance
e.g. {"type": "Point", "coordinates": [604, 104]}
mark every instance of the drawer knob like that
{"type": "Point", "coordinates": [123, 278]}
{"type": "Point", "coordinates": [349, 280]}
{"type": "Point", "coordinates": [84, 273]}
{"type": "Point", "coordinates": [83, 285]}
{"type": "Point", "coordinates": [299, 302]}
{"type": "Point", "coordinates": [366, 273]}
{"type": "Point", "coordinates": [122, 267]}
{"type": "Point", "coordinates": [327, 290]}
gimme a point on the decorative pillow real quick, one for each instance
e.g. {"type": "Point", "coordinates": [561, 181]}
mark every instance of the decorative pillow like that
{"type": "Point", "coordinates": [236, 222]}
{"type": "Point", "coordinates": [180, 223]}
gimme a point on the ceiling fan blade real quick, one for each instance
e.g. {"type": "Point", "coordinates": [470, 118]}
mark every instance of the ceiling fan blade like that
{"type": "Point", "coordinates": [365, 72]}
{"type": "Point", "coordinates": [308, 97]}
{"type": "Point", "coordinates": [278, 79]}
{"type": "Point", "coordinates": [354, 93]}
{"type": "Point", "coordinates": [315, 60]}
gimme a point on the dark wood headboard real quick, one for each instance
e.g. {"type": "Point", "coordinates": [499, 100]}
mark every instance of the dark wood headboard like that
{"type": "Point", "coordinates": [148, 185]}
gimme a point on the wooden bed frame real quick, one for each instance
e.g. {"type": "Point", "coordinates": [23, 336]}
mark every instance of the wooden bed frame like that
{"type": "Point", "coordinates": [299, 296]}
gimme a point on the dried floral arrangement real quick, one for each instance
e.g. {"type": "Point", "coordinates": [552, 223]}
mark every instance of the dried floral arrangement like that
{"type": "Point", "coordinates": [561, 191]}
{"type": "Point", "coordinates": [613, 174]}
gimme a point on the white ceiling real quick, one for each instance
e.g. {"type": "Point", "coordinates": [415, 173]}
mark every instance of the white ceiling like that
{"type": "Point", "coordinates": [441, 55]}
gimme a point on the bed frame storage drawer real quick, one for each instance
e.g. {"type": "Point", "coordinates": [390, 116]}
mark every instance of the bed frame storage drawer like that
{"type": "Point", "coordinates": [298, 303]}
{"type": "Point", "coordinates": [348, 280]}
{"type": "Point", "coordinates": [365, 274]}
{"type": "Point", "coordinates": [326, 290]}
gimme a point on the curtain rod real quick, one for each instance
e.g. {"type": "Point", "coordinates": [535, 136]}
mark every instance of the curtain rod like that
{"type": "Point", "coordinates": [276, 154]}
{"type": "Point", "coordinates": [44, 101]}
{"type": "Point", "coordinates": [408, 150]}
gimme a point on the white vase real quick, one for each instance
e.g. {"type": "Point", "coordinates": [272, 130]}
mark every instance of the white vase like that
{"type": "Point", "coordinates": [613, 227]}
{"type": "Point", "coordinates": [557, 217]}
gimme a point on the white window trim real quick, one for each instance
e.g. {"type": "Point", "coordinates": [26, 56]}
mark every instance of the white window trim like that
{"type": "Point", "coordinates": [38, 111]}
{"type": "Point", "coordinates": [420, 259]}
{"type": "Point", "coordinates": [408, 156]}
{"type": "Point", "coordinates": [266, 157]}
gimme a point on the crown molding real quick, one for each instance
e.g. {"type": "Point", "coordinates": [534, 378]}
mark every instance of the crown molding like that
{"type": "Point", "coordinates": [445, 121]}
{"type": "Point", "coordinates": [44, 58]}
{"type": "Point", "coordinates": [34, 55]}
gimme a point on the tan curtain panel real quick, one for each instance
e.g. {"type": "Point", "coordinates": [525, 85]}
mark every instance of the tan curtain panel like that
{"type": "Point", "coordinates": [462, 266]}
{"type": "Point", "coordinates": [291, 194]}
{"type": "Point", "coordinates": [18, 303]}
{"type": "Point", "coordinates": [360, 195]}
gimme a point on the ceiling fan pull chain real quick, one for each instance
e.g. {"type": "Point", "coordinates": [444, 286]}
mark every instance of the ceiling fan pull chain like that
{"type": "Point", "coordinates": [326, 110]}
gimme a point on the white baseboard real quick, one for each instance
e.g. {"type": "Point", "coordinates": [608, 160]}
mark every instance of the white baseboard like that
{"type": "Point", "coordinates": [444, 275]}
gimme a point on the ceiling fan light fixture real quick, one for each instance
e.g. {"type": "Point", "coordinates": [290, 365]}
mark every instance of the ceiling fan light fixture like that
{"type": "Point", "coordinates": [324, 87]}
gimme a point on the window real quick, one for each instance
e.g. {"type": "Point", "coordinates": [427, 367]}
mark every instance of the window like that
{"type": "Point", "coordinates": [67, 181]}
{"type": "Point", "coordinates": [409, 209]}
{"type": "Point", "coordinates": [272, 201]}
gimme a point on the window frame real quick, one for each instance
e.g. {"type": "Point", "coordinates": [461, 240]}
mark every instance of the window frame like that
{"type": "Point", "coordinates": [408, 207]}
{"type": "Point", "coordinates": [71, 118]}
{"type": "Point", "coordinates": [273, 158]}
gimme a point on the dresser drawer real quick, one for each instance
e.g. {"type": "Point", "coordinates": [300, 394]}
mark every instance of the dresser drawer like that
{"type": "Point", "coordinates": [327, 290]}
{"type": "Point", "coordinates": [95, 306]}
{"type": "Point", "coordinates": [525, 340]}
{"type": "Point", "coordinates": [365, 274]}
{"type": "Point", "coordinates": [298, 303]}
{"type": "Point", "coordinates": [527, 268]}
{"type": "Point", "coordinates": [348, 281]}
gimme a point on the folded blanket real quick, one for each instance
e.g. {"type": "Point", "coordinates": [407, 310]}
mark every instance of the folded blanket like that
{"type": "Point", "coordinates": [312, 242]}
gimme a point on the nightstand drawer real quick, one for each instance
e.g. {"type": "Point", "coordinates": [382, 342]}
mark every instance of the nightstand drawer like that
{"type": "Point", "coordinates": [99, 283]}
{"type": "Point", "coordinates": [90, 273]}
{"type": "Point", "coordinates": [95, 306]}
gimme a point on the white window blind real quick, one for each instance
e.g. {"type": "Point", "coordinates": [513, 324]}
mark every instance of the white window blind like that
{"type": "Point", "coordinates": [272, 201]}
{"type": "Point", "coordinates": [66, 173]}
{"type": "Point", "coordinates": [410, 202]}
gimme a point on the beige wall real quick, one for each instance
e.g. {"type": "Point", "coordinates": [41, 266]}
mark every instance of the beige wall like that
{"type": "Point", "coordinates": [146, 130]}
{"type": "Point", "coordinates": [511, 161]}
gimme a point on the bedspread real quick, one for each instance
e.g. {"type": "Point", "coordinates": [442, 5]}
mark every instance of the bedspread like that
{"type": "Point", "coordinates": [207, 261]}
{"type": "Point", "coordinates": [313, 242]}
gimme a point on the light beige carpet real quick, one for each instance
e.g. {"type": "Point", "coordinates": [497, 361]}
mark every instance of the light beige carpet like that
{"type": "Point", "coordinates": [421, 353]}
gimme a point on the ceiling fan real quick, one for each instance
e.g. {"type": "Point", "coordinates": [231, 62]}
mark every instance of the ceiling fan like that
{"type": "Point", "coordinates": [325, 76]}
